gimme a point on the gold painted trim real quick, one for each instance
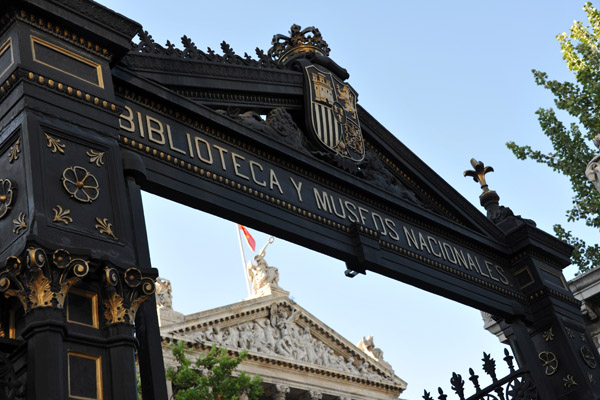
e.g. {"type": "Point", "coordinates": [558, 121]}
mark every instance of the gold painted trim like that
{"type": "Point", "coordinates": [98, 360]}
{"type": "Point", "coordinates": [94, 298]}
{"type": "Point", "coordinates": [531, 279]}
{"type": "Point", "coordinates": [12, 330]}
{"type": "Point", "coordinates": [562, 278]}
{"type": "Point", "coordinates": [68, 53]}
{"type": "Point", "coordinates": [3, 49]}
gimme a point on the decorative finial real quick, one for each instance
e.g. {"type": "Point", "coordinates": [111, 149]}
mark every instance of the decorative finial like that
{"type": "Point", "coordinates": [300, 42]}
{"type": "Point", "coordinates": [478, 173]}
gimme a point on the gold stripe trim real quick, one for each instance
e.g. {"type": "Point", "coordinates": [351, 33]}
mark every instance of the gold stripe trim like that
{"type": "Point", "coordinates": [98, 359]}
{"type": "Point", "coordinates": [90, 295]}
{"type": "Point", "coordinates": [6, 46]}
{"type": "Point", "coordinates": [67, 53]}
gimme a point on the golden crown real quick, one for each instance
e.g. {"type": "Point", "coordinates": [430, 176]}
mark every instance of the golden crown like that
{"type": "Point", "coordinates": [300, 42]}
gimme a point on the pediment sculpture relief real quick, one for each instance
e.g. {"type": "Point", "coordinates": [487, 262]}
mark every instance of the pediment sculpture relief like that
{"type": "Point", "coordinates": [280, 335]}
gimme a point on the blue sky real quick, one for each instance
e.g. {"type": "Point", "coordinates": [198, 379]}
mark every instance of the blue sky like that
{"type": "Point", "coordinates": [452, 81]}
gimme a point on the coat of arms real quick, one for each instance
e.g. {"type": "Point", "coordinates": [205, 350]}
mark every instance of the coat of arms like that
{"type": "Point", "coordinates": [333, 115]}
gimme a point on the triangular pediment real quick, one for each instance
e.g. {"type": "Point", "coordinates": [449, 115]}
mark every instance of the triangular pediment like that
{"type": "Point", "coordinates": [276, 328]}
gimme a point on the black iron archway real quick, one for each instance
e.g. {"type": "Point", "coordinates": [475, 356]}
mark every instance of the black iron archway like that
{"type": "Point", "coordinates": [88, 120]}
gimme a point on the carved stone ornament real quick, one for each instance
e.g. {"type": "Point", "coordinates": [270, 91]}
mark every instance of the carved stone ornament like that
{"type": "Point", "coordinates": [279, 335]}
{"type": "Point", "coordinates": [124, 293]}
{"type": "Point", "coordinates": [80, 184]}
{"type": "Point", "coordinates": [164, 296]}
{"type": "Point", "coordinates": [39, 282]}
{"type": "Point", "coordinates": [368, 347]}
{"type": "Point", "coordinates": [261, 275]}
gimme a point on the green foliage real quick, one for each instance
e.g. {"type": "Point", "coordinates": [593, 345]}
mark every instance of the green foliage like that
{"type": "Point", "coordinates": [211, 377]}
{"type": "Point", "coordinates": [581, 99]}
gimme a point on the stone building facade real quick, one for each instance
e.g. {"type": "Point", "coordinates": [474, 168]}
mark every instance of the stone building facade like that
{"type": "Point", "coordinates": [297, 355]}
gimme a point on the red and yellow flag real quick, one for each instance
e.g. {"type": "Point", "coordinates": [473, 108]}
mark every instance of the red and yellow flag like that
{"type": "Point", "coordinates": [248, 236]}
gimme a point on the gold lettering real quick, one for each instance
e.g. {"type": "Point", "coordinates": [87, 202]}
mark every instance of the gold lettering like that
{"type": "Point", "coordinates": [423, 243]}
{"type": "Point", "coordinates": [322, 202]}
{"type": "Point", "coordinates": [351, 213]}
{"type": "Point", "coordinates": [189, 143]}
{"type": "Point", "coordinates": [273, 181]}
{"type": "Point", "coordinates": [252, 165]}
{"type": "Point", "coordinates": [128, 118]}
{"type": "Point", "coordinates": [209, 159]}
{"type": "Point", "coordinates": [429, 240]}
{"type": "Point", "coordinates": [152, 130]}
{"type": "Point", "coordinates": [298, 187]}
{"type": "Point", "coordinates": [445, 248]}
{"type": "Point", "coordinates": [479, 269]}
{"type": "Point", "coordinates": [471, 262]}
{"type": "Point", "coordinates": [171, 146]}
{"type": "Point", "coordinates": [460, 257]}
{"type": "Point", "coordinates": [222, 152]}
{"type": "Point", "coordinates": [140, 123]}
{"type": "Point", "coordinates": [236, 165]}
{"type": "Point", "coordinates": [487, 265]}
{"type": "Point", "coordinates": [362, 217]}
{"type": "Point", "coordinates": [410, 236]}
{"type": "Point", "coordinates": [392, 232]}
{"type": "Point", "coordinates": [373, 215]}
{"type": "Point", "coordinates": [343, 215]}
{"type": "Point", "coordinates": [502, 277]}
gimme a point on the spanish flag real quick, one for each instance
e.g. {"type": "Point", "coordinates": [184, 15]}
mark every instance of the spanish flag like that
{"type": "Point", "coordinates": [248, 236]}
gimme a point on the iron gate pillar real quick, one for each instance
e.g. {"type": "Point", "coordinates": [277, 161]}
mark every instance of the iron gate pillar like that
{"type": "Point", "coordinates": [71, 277]}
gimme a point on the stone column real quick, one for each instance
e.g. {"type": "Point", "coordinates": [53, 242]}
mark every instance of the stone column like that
{"type": "Point", "coordinates": [312, 395]}
{"type": "Point", "coordinates": [280, 391]}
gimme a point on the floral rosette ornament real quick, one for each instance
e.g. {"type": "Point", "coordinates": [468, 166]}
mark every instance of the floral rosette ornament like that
{"type": "Point", "coordinates": [6, 196]}
{"type": "Point", "coordinates": [80, 184]}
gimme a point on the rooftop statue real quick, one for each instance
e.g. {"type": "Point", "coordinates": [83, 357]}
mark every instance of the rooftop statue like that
{"type": "Point", "coordinates": [368, 347]}
{"type": "Point", "coordinates": [164, 297]}
{"type": "Point", "coordinates": [260, 274]}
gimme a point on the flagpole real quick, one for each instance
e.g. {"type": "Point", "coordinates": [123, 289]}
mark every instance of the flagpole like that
{"type": "Point", "coordinates": [243, 261]}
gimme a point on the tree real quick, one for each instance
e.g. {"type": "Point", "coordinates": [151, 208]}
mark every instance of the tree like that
{"type": "Point", "coordinates": [571, 143]}
{"type": "Point", "coordinates": [211, 377]}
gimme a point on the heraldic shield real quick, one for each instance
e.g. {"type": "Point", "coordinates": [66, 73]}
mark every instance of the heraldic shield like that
{"type": "Point", "coordinates": [332, 113]}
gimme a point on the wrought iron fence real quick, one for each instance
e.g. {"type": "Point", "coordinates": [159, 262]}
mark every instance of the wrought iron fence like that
{"type": "Point", "coordinates": [517, 385]}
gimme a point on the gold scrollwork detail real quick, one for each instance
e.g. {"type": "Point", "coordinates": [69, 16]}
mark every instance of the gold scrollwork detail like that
{"type": "Point", "coordinates": [549, 335]}
{"type": "Point", "coordinates": [61, 215]}
{"type": "Point", "coordinates": [19, 223]}
{"type": "Point", "coordinates": [588, 357]}
{"type": "Point", "coordinates": [6, 196]}
{"type": "Point", "coordinates": [54, 144]}
{"type": "Point", "coordinates": [96, 157]}
{"type": "Point", "coordinates": [569, 381]}
{"type": "Point", "coordinates": [37, 282]}
{"type": "Point", "coordinates": [13, 152]}
{"type": "Point", "coordinates": [104, 226]}
{"type": "Point", "coordinates": [124, 294]}
{"type": "Point", "coordinates": [80, 184]}
{"type": "Point", "coordinates": [549, 362]}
